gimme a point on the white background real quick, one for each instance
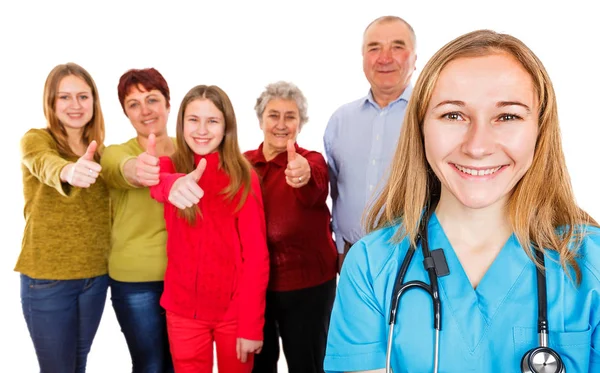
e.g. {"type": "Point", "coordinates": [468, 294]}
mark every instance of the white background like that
{"type": "Point", "coordinates": [241, 46]}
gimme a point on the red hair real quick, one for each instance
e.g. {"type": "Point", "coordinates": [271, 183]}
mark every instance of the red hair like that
{"type": "Point", "coordinates": [149, 79]}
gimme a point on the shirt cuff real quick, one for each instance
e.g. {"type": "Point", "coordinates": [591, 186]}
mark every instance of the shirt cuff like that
{"type": "Point", "coordinates": [339, 242]}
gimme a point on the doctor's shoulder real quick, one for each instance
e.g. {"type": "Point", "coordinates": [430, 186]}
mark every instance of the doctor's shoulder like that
{"type": "Point", "coordinates": [377, 250]}
{"type": "Point", "coordinates": [588, 255]}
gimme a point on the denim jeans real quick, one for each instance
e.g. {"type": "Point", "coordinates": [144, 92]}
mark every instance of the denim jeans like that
{"type": "Point", "coordinates": [62, 317]}
{"type": "Point", "coordinates": [143, 323]}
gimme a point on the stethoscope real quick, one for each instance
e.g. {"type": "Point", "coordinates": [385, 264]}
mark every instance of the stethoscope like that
{"type": "Point", "coordinates": [541, 359]}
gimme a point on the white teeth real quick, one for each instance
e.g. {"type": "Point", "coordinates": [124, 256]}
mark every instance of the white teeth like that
{"type": "Point", "coordinates": [472, 172]}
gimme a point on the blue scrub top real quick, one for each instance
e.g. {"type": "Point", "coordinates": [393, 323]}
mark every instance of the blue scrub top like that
{"type": "Point", "coordinates": [485, 329]}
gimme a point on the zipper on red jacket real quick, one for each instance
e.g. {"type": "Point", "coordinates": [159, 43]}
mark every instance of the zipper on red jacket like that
{"type": "Point", "coordinates": [196, 293]}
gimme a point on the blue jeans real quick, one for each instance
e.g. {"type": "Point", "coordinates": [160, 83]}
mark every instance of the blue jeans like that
{"type": "Point", "coordinates": [62, 317]}
{"type": "Point", "coordinates": [143, 323]}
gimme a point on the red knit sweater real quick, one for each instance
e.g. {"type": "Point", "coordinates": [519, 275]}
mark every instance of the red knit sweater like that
{"type": "Point", "coordinates": [301, 249]}
{"type": "Point", "coordinates": [220, 262]}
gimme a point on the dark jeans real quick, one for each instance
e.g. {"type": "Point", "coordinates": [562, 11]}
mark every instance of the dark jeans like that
{"type": "Point", "coordinates": [301, 318]}
{"type": "Point", "coordinates": [62, 317]}
{"type": "Point", "coordinates": [143, 323]}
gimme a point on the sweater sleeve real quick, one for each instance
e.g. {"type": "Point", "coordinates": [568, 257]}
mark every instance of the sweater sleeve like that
{"type": "Point", "coordinates": [112, 162]}
{"type": "Point", "coordinates": [255, 265]}
{"type": "Point", "coordinates": [40, 156]}
{"type": "Point", "coordinates": [168, 176]}
{"type": "Point", "coordinates": [316, 190]}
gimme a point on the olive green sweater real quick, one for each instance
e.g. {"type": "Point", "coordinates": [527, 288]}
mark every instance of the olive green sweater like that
{"type": "Point", "coordinates": [139, 237]}
{"type": "Point", "coordinates": [67, 229]}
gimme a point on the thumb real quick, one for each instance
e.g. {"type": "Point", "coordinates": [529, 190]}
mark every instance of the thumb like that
{"type": "Point", "coordinates": [151, 145]}
{"type": "Point", "coordinates": [291, 150]}
{"type": "Point", "coordinates": [197, 173]}
{"type": "Point", "coordinates": [91, 149]}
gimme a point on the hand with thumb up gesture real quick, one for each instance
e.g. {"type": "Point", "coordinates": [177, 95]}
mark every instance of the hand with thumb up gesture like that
{"type": "Point", "coordinates": [297, 173]}
{"type": "Point", "coordinates": [186, 192]}
{"type": "Point", "coordinates": [147, 168]}
{"type": "Point", "coordinates": [85, 171]}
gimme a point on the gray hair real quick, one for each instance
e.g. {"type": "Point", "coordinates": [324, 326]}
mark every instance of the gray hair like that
{"type": "Point", "coordinates": [389, 19]}
{"type": "Point", "coordinates": [285, 91]}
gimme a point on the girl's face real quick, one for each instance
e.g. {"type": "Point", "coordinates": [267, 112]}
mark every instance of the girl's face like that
{"type": "Point", "coordinates": [74, 105]}
{"type": "Point", "coordinates": [203, 126]}
{"type": "Point", "coordinates": [481, 129]}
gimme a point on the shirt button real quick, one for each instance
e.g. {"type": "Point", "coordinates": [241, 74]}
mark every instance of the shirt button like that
{"type": "Point", "coordinates": [377, 137]}
{"type": "Point", "coordinates": [374, 161]}
{"type": "Point", "coordinates": [371, 187]}
{"type": "Point", "coordinates": [381, 113]}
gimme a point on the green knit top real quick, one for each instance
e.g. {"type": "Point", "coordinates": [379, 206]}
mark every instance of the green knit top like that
{"type": "Point", "coordinates": [139, 237]}
{"type": "Point", "coordinates": [67, 229]}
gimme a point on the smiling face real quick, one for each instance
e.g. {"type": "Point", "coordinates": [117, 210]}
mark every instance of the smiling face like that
{"type": "Point", "coordinates": [480, 129]}
{"type": "Point", "coordinates": [388, 57]}
{"type": "Point", "coordinates": [203, 126]}
{"type": "Point", "coordinates": [148, 111]}
{"type": "Point", "coordinates": [74, 105]}
{"type": "Point", "coordinates": [280, 122]}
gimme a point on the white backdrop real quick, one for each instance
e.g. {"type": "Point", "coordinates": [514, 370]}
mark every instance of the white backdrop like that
{"type": "Point", "coordinates": [241, 46]}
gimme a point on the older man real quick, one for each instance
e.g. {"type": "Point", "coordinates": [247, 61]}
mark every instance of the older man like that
{"type": "Point", "coordinates": [361, 136]}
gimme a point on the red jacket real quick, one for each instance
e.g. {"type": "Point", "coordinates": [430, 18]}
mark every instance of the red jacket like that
{"type": "Point", "coordinates": [220, 262]}
{"type": "Point", "coordinates": [301, 248]}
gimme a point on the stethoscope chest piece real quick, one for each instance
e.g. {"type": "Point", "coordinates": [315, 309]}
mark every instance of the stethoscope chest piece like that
{"type": "Point", "coordinates": [542, 360]}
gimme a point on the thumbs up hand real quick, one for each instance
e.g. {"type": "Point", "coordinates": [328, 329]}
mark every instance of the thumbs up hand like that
{"type": "Point", "coordinates": [85, 171]}
{"type": "Point", "coordinates": [297, 173]}
{"type": "Point", "coordinates": [186, 192]}
{"type": "Point", "coordinates": [147, 169]}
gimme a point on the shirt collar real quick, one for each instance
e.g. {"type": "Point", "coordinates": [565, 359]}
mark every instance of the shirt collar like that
{"type": "Point", "coordinates": [405, 96]}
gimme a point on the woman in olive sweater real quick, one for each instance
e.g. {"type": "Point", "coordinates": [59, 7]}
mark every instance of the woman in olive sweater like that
{"type": "Point", "coordinates": [63, 260]}
{"type": "Point", "coordinates": [138, 257]}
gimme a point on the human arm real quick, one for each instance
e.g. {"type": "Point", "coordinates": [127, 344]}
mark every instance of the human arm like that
{"type": "Point", "coordinates": [332, 166]}
{"type": "Point", "coordinates": [123, 169]}
{"type": "Point", "coordinates": [255, 271]}
{"type": "Point", "coordinates": [41, 158]}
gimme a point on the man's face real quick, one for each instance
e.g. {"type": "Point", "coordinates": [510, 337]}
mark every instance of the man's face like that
{"type": "Point", "coordinates": [388, 56]}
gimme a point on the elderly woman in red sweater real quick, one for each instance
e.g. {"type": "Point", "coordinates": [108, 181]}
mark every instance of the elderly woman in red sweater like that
{"type": "Point", "coordinates": [303, 258]}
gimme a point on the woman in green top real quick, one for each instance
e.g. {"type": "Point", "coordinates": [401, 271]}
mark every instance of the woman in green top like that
{"type": "Point", "coordinates": [138, 255]}
{"type": "Point", "coordinates": [67, 223]}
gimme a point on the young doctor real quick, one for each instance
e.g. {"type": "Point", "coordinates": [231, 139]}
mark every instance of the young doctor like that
{"type": "Point", "coordinates": [478, 194]}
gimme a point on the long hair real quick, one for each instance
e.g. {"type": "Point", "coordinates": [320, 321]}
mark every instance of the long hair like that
{"type": "Point", "coordinates": [93, 130]}
{"type": "Point", "coordinates": [231, 161]}
{"type": "Point", "coordinates": [542, 209]}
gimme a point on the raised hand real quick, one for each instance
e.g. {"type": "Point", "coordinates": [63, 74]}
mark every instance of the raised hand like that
{"type": "Point", "coordinates": [85, 171]}
{"type": "Point", "coordinates": [246, 346]}
{"type": "Point", "coordinates": [297, 173]}
{"type": "Point", "coordinates": [186, 192]}
{"type": "Point", "coordinates": [147, 169]}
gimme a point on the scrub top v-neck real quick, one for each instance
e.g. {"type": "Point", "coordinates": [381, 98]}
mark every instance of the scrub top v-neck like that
{"type": "Point", "coordinates": [485, 329]}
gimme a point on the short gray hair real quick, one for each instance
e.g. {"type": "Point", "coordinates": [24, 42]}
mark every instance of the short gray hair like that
{"type": "Point", "coordinates": [285, 91]}
{"type": "Point", "coordinates": [390, 19]}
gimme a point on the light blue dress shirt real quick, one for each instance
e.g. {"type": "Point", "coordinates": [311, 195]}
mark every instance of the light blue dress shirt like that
{"type": "Point", "coordinates": [360, 141]}
{"type": "Point", "coordinates": [487, 329]}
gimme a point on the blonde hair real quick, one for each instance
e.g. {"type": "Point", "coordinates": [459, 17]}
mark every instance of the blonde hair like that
{"type": "Point", "coordinates": [94, 129]}
{"type": "Point", "coordinates": [232, 161]}
{"type": "Point", "coordinates": [542, 208]}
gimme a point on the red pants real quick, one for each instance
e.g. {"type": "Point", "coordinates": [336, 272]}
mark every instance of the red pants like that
{"type": "Point", "coordinates": [192, 345]}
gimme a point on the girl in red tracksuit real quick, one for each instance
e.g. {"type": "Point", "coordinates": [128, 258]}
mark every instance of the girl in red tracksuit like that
{"type": "Point", "coordinates": [217, 271]}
